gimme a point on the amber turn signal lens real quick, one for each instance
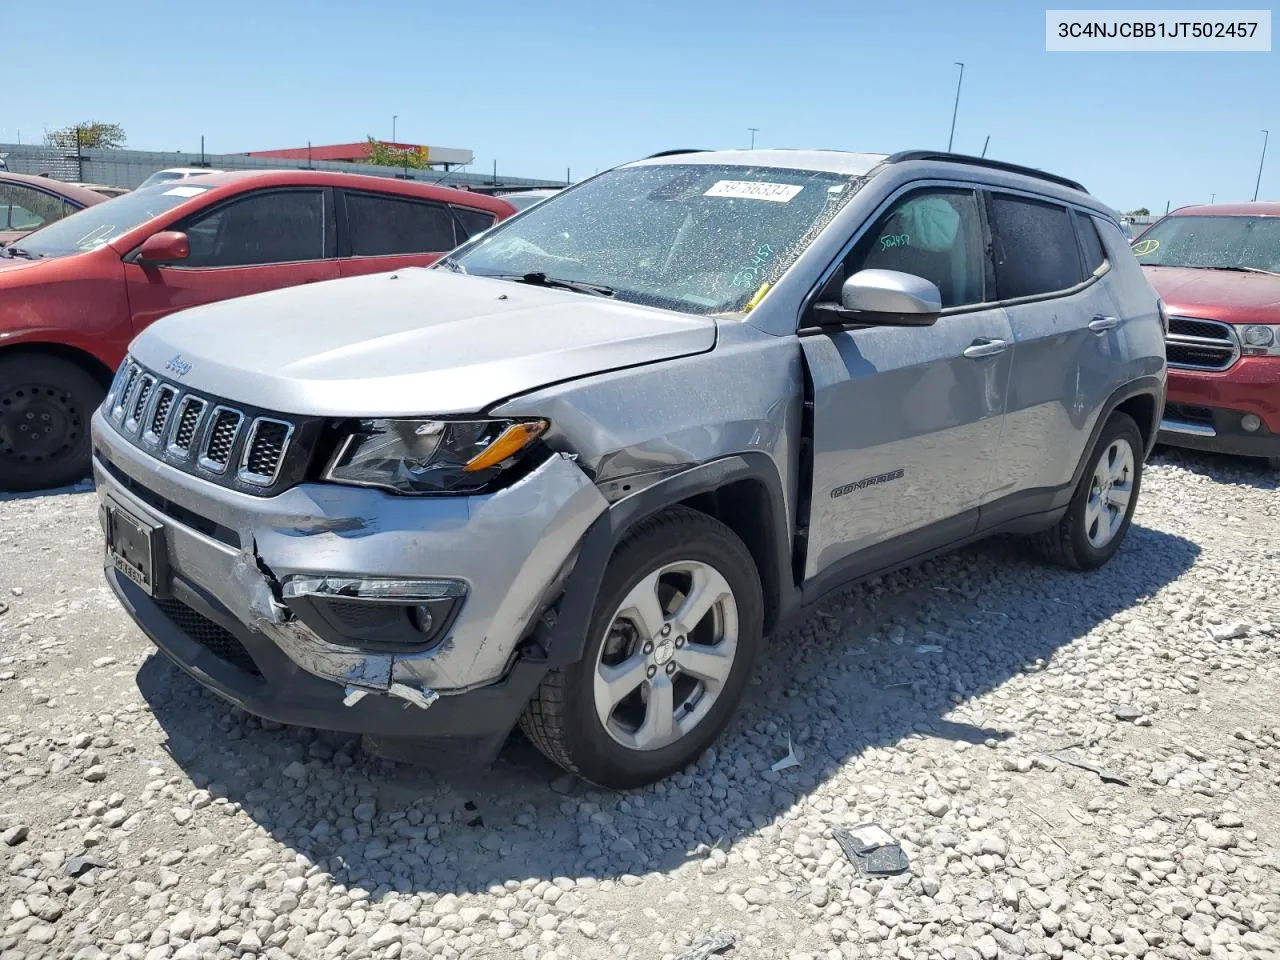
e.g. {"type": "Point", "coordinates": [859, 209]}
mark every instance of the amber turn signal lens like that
{"type": "Point", "coordinates": [510, 442]}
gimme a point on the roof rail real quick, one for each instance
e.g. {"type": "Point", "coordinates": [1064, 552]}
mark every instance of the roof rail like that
{"type": "Point", "coordinates": [672, 153]}
{"type": "Point", "coordinates": [984, 162]}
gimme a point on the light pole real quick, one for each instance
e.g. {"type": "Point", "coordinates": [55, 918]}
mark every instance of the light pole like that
{"type": "Point", "coordinates": [754, 131]}
{"type": "Point", "coordinates": [956, 108]}
{"type": "Point", "coordinates": [394, 118]}
{"type": "Point", "coordinates": [1266, 135]}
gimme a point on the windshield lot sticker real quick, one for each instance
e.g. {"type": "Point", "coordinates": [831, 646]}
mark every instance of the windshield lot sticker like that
{"type": "Point", "coordinates": [895, 240]}
{"type": "Point", "coordinates": [1143, 247]}
{"type": "Point", "coordinates": [754, 190]}
{"type": "Point", "coordinates": [185, 191]}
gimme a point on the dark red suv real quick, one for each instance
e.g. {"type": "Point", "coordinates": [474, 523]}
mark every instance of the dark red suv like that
{"type": "Point", "coordinates": [75, 293]}
{"type": "Point", "coordinates": [1217, 268]}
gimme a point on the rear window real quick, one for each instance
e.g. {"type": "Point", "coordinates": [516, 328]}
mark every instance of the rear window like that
{"type": "Point", "coordinates": [382, 226]}
{"type": "Point", "coordinates": [1035, 247]}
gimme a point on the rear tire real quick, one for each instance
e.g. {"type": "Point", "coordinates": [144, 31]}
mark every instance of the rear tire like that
{"type": "Point", "coordinates": [676, 629]}
{"type": "Point", "coordinates": [46, 404]}
{"type": "Point", "coordinates": [1098, 517]}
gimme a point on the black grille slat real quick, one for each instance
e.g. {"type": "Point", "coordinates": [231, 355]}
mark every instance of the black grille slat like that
{"type": "Point", "coordinates": [1195, 355]}
{"type": "Point", "coordinates": [192, 409]}
{"type": "Point", "coordinates": [222, 643]}
{"type": "Point", "coordinates": [266, 449]}
{"type": "Point", "coordinates": [139, 402]}
{"type": "Point", "coordinates": [222, 436]}
{"type": "Point", "coordinates": [164, 403]}
{"type": "Point", "coordinates": [1188, 413]}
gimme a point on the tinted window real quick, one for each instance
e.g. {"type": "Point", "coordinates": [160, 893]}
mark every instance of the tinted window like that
{"type": "Point", "coordinates": [279, 227]}
{"type": "Point", "coordinates": [1035, 247]}
{"type": "Point", "coordinates": [25, 208]}
{"type": "Point", "coordinates": [473, 221]}
{"type": "Point", "coordinates": [381, 226]}
{"type": "Point", "coordinates": [1094, 256]}
{"type": "Point", "coordinates": [936, 234]}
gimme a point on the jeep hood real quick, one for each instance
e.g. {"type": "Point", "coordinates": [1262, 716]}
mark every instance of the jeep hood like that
{"type": "Point", "coordinates": [1227, 295]}
{"type": "Point", "coordinates": [413, 342]}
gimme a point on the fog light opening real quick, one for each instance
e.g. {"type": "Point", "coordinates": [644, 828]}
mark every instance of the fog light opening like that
{"type": "Point", "coordinates": [1251, 422]}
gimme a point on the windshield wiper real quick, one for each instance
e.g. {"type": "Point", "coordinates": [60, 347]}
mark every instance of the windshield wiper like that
{"type": "Point", "coordinates": [452, 265]}
{"type": "Point", "coordinates": [1269, 273]}
{"type": "Point", "coordinates": [15, 251]}
{"type": "Point", "coordinates": [542, 280]}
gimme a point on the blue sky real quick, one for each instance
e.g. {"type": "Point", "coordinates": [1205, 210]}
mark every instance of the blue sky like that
{"type": "Point", "coordinates": [545, 86]}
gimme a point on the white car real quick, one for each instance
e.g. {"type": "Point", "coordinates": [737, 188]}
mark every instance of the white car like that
{"type": "Point", "coordinates": [523, 199]}
{"type": "Point", "coordinates": [177, 173]}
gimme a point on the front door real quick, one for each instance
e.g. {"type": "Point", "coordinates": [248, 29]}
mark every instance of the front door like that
{"type": "Point", "coordinates": [261, 241]}
{"type": "Point", "coordinates": [907, 420]}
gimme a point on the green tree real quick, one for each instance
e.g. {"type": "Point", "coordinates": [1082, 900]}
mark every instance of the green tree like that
{"type": "Point", "coordinates": [386, 155]}
{"type": "Point", "coordinates": [1140, 212]}
{"type": "Point", "coordinates": [93, 134]}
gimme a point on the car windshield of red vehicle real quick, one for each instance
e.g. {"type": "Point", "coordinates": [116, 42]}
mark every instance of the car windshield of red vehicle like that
{"type": "Point", "coordinates": [1214, 243]}
{"type": "Point", "coordinates": [103, 222]}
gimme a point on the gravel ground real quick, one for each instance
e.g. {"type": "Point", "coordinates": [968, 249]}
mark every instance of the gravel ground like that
{"type": "Point", "coordinates": [1076, 765]}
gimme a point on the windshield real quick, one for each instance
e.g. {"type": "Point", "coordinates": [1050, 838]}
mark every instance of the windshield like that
{"type": "Point", "coordinates": [1221, 242]}
{"type": "Point", "coordinates": [94, 226]}
{"type": "Point", "coordinates": [701, 238]}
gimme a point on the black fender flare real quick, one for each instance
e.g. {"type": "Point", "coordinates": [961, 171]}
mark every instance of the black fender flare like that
{"type": "Point", "coordinates": [1149, 385]}
{"type": "Point", "coordinates": [564, 633]}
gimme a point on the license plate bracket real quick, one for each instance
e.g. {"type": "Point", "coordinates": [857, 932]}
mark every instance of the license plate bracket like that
{"type": "Point", "coordinates": [136, 549]}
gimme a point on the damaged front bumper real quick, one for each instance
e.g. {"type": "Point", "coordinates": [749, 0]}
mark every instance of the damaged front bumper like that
{"type": "Point", "coordinates": [227, 556]}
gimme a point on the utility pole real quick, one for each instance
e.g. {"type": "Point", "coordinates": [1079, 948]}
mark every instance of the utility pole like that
{"type": "Point", "coordinates": [754, 131]}
{"type": "Point", "coordinates": [1266, 135]}
{"type": "Point", "coordinates": [956, 108]}
{"type": "Point", "coordinates": [985, 143]}
{"type": "Point", "coordinates": [394, 118]}
{"type": "Point", "coordinates": [1212, 197]}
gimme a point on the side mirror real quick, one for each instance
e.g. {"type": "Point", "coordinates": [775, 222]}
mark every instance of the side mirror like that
{"type": "Point", "coordinates": [164, 247]}
{"type": "Point", "coordinates": [886, 298]}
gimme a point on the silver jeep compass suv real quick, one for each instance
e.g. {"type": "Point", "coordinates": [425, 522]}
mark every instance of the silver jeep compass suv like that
{"type": "Point", "coordinates": [573, 474]}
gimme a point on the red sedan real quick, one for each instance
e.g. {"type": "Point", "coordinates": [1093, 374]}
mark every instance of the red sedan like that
{"type": "Point", "coordinates": [75, 293]}
{"type": "Point", "coordinates": [29, 203]}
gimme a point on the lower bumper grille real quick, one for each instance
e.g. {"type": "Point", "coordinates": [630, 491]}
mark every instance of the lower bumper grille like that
{"type": "Point", "coordinates": [218, 641]}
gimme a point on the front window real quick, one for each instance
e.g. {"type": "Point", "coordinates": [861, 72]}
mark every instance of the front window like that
{"type": "Point", "coordinates": [26, 208]}
{"type": "Point", "coordinates": [1216, 243]}
{"type": "Point", "coordinates": [95, 226]}
{"type": "Point", "coordinates": [702, 238]}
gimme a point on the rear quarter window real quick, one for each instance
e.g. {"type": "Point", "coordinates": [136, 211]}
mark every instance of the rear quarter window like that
{"type": "Point", "coordinates": [1090, 242]}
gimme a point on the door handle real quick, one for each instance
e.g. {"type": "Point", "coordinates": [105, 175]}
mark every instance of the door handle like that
{"type": "Point", "coordinates": [985, 348]}
{"type": "Point", "coordinates": [1103, 324]}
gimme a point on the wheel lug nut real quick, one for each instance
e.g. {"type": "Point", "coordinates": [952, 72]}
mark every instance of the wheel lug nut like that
{"type": "Point", "coordinates": [650, 672]}
{"type": "Point", "coordinates": [679, 642]}
{"type": "Point", "coordinates": [671, 668]}
{"type": "Point", "coordinates": [648, 648]}
{"type": "Point", "coordinates": [666, 629]}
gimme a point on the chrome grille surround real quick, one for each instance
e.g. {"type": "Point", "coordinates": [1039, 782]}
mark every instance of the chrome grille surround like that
{"type": "Point", "coordinates": [220, 438]}
{"type": "Point", "coordinates": [264, 450]}
{"type": "Point", "coordinates": [1194, 343]}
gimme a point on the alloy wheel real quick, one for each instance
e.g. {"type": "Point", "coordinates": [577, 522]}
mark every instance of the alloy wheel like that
{"type": "Point", "coordinates": [1109, 493]}
{"type": "Point", "coordinates": [669, 652]}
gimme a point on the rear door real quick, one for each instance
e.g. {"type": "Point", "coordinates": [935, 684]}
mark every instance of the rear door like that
{"type": "Point", "coordinates": [257, 241]}
{"type": "Point", "coordinates": [1066, 327]}
{"type": "Point", "coordinates": [906, 420]}
{"type": "Point", "coordinates": [385, 231]}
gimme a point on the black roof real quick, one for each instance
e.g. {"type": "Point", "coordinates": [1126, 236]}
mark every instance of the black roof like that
{"type": "Point", "coordinates": [984, 162]}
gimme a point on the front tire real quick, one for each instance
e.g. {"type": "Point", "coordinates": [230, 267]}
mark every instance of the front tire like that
{"type": "Point", "coordinates": [46, 404]}
{"type": "Point", "coordinates": [673, 638]}
{"type": "Point", "coordinates": [1101, 509]}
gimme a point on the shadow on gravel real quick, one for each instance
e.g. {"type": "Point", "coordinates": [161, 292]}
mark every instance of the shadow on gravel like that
{"type": "Point", "coordinates": [1222, 467]}
{"type": "Point", "coordinates": [877, 665]}
{"type": "Point", "coordinates": [82, 486]}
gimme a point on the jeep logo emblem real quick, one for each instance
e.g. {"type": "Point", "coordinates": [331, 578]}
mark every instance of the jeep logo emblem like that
{"type": "Point", "coordinates": [178, 366]}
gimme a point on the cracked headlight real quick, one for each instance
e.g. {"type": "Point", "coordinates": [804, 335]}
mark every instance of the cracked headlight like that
{"type": "Point", "coordinates": [431, 456]}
